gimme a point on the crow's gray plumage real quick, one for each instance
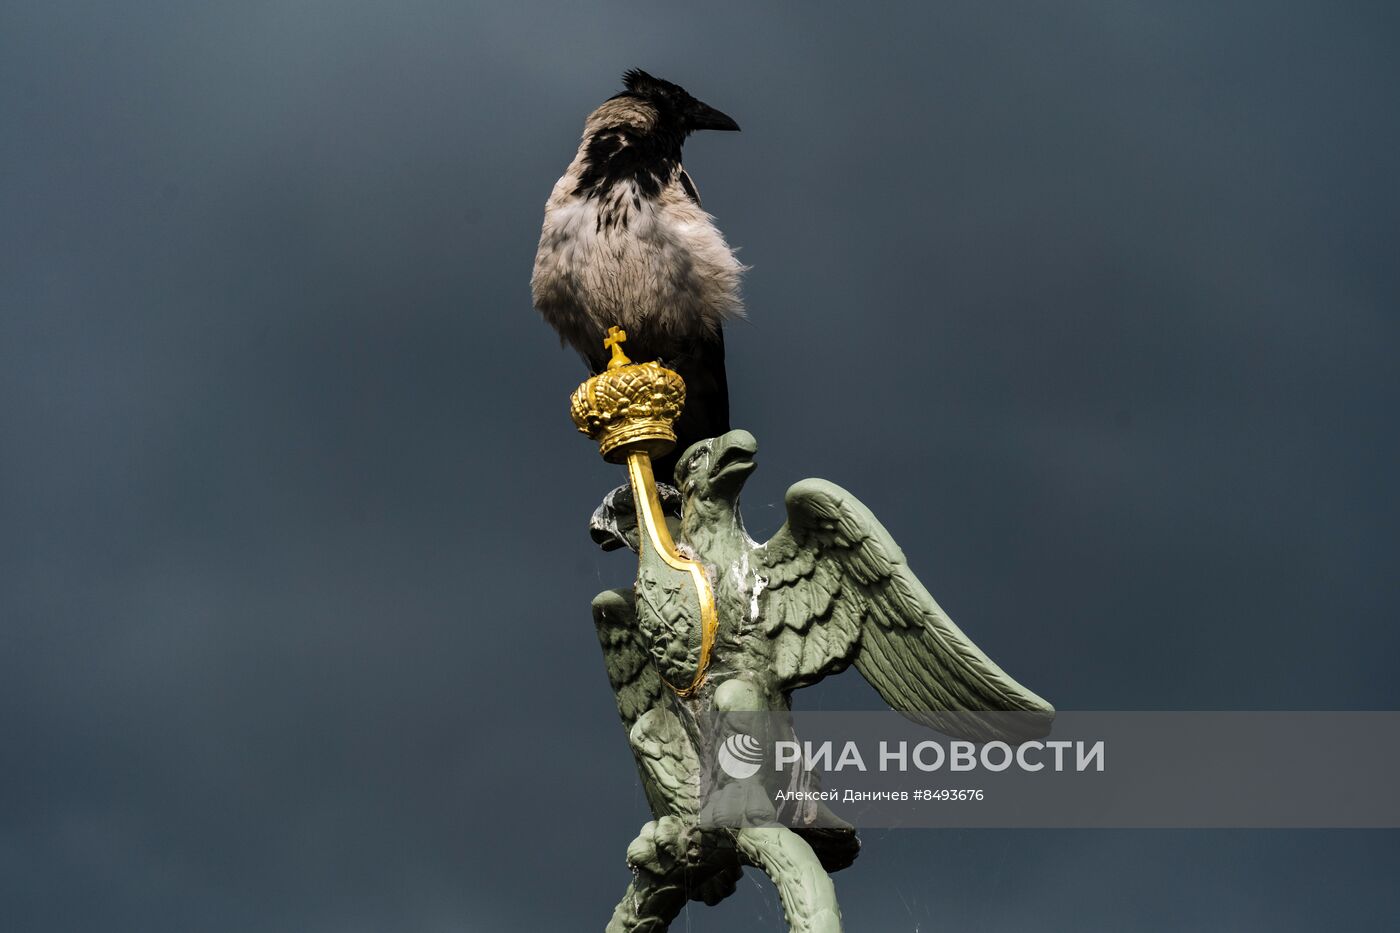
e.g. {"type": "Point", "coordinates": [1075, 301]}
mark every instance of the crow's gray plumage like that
{"type": "Point", "coordinates": [625, 242]}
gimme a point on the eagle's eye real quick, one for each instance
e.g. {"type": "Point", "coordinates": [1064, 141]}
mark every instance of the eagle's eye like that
{"type": "Point", "coordinates": [687, 469]}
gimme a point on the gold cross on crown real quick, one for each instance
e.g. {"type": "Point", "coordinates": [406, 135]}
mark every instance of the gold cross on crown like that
{"type": "Point", "coordinates": [613, 341]}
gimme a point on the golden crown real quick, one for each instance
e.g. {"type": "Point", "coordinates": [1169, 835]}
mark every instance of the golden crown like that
{"type": "Point", "coordinates": [629, 407]}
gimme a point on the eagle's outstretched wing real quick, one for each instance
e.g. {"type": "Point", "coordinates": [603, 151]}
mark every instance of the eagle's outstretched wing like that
{"type": "Point", "coordinates": [665, 756]}
{"type": "Point", "coordinates": [836, 590]}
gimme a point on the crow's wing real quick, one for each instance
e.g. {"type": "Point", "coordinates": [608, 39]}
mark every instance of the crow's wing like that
{"type": "Point", "coordinates": [837, 591]}
{"type": "Point", "coordinates": [706, 411]}
{"type": "Point", "coordinates": [666, 759]}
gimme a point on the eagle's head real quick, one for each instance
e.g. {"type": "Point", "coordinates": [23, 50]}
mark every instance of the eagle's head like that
{"type": "Point", "coordinates": [711, 474]}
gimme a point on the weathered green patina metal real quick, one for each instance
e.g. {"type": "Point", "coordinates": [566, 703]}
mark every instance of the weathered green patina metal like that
{"type": "Point", "coordinates": [722, 624]}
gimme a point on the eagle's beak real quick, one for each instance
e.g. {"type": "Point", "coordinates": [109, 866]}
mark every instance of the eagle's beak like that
{"type": "Point", "coordinates": [705, 117]}
{"type": "Point", "coordinates": [733, 460]}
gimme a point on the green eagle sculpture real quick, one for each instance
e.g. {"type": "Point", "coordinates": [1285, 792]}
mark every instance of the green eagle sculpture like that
{"type": "Point", "coordinates": [719, 623]}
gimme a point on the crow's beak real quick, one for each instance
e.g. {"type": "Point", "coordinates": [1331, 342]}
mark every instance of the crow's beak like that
{"type": "Point", "coordinates": [705, 117]}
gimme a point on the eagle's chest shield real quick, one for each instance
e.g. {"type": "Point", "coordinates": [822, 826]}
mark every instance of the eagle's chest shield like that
{"type": "Point", "coordinates": [668, 617]}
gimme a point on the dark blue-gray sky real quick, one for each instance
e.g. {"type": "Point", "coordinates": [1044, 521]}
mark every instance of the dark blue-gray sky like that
{"type": "Point", "coordinates": [1095, 304]}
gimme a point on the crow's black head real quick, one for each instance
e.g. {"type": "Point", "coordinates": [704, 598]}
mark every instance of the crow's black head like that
{"type": "Point", "coordinates": [635, 138]}
{"type": "Point", "coordinates": [674, 106]}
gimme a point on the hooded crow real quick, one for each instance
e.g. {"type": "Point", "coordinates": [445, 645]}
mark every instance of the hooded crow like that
{"type": "Point", "coordinates": [625, 242]}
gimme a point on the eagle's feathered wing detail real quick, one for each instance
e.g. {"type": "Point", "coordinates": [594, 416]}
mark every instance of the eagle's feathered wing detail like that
{"type": "Point", "coordinates": [665, 756]}
{"type": "Point", "coordinates": [836, 590]}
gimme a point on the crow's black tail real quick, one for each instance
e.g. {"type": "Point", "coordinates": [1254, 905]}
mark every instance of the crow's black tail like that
{"type": "Point", "coordinates": [706, 411]}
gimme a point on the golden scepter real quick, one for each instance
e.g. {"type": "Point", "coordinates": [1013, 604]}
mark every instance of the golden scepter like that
{"type": "Point", "coordinates": [629, 409]}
